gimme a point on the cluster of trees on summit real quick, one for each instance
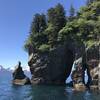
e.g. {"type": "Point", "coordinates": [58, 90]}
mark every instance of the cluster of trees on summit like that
{"type": "Point", "coordinates": [55, 28]}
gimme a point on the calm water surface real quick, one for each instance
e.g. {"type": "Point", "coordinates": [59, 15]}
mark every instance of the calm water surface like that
{"type": "Point", "coordinates": [10, 92]}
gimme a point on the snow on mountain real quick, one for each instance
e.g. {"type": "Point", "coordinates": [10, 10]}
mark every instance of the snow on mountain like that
{"type": "Point", "coordinates": [4, 72]}
{"type": "Point", "coordinates": [24, 69]}
{"type": "Point", "coordinates": [2, 68]}
{"type": "Point", "coordinates": [11, 69]}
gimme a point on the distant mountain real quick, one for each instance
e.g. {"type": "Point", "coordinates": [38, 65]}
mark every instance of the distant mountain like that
{"type": "Point", "coordinates": [26, 69]}
{"type": "Point", "coordinates": [4, 73]}
{"type": "Point", "coordinates": [2, 69]}
{"type": "Point", "coordinates": [11, 69]}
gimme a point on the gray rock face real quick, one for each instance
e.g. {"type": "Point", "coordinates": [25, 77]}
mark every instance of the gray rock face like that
{"type": "Point", "coordinates": [77, 73]}
{"type": "Point", "coordinates": [19, 78]}
{"type": "Point", "coordinates": [52, 67]}
{"type": "Point", "coordinates": [89, 63]}
{"type": "Point", "coordinates": [93, 62]}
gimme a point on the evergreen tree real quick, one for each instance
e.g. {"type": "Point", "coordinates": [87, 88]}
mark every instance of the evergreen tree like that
{"type": "Point", "coordinates": [60, 16]}
{"type": "Point", "coordinates": [72, 11]}
{"type": "Point", "coordinates": [45, 33]}
{"type": "Point", "coordinates": [38, 24]}
{"type": "Point", "coordinates": [56, 16]}
{"type": "Point", "coordinates": [37, 36]}
{"type": "Point", "coordinates": [89, 1]}
{"type": "Point", "coordinates": [56, 20]}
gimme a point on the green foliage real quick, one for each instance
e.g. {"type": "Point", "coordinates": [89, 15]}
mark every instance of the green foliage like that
{"type": "Point", "coordinates": [27, 44]}
{"type": "Point", "coordinates": [44, 48]}
{"type": "Point", "coordinates": [56, 21]}
{"type": "Point", "coordinates": [56, 16]}
{"type": "Point", "coordinates": [37, 35]}
{"type": "Point", "coordinates": [68, 32]}
{"type": "Point", "coordinates": [39, 23]}
{"type": "Point", "coordinates": [90, 1]}
{"type": "Point", "coordinates": [46, 34]}
{"type": "Point", "coordinates": [86, 27]}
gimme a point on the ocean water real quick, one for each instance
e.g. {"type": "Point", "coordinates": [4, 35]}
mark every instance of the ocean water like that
{"type": "Point", "coordinates": [42, 92]}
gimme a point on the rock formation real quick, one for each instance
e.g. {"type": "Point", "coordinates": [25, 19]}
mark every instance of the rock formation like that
{"type": "Point", "coordinates": [52, 67]}
{"type": "Point", "coordinates": [77, 75]}
{"type": "Point", "coordinates": [19, 78]}
{"type": "Point", "coordinates": [89, 62]}
{"type": "Point", "coordinates": [93, 61]}
{"type": "Point", "coordinates": [55, 66]}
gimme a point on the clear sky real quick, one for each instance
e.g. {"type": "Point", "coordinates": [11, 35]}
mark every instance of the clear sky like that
{"type": "Point", "coordinates": [15, 20]}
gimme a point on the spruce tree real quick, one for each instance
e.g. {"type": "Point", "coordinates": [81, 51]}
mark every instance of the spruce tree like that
{"type": "Point", "coordinates": [37, 36]}
{"type": "Point", "coordinates": [56, 16]}
{"type": "Point", "coordinates": [89, 2]}
{"type": "Point", "coordinates": [56, 20]}
{"type": "Point", "coordinates": [71, 12]}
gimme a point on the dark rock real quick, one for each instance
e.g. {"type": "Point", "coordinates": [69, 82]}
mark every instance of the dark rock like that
{"type": "Point", "coordinates": [93, 61]}
{"type": "Point", "coordinates": [89, 63]}
{"type": "Point", "coordinates": [54, 66]}
{"type": "Point", "coordinates": [19, 78]}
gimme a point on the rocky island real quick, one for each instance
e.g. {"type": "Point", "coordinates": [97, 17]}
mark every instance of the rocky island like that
{"type": "Point", "coordinates": [57, 41]}
{"type": "Point", "coordinates": [19, 78]}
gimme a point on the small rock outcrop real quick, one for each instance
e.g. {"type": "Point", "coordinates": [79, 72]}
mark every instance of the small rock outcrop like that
{"type": "Point", "coordinates": [19, 78]}
{"type": "Point", "coordinates": [77, 75]}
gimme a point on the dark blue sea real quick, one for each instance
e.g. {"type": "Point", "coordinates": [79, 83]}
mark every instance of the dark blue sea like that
{"type": "Point", "coordinates": [11, 92]}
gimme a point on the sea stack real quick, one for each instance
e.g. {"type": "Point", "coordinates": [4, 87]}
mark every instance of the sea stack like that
{"type": "Point", "coordinates": [19, 78]}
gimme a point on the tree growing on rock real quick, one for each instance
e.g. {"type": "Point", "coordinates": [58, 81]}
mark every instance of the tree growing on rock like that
{"type": "Point", "coordinates": [37, 36]}
{"type": "Point", "coordinates": [56, 21]}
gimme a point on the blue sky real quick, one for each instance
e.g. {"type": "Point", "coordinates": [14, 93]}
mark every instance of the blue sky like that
{"type": "Point", "coordinates": [15, 20]}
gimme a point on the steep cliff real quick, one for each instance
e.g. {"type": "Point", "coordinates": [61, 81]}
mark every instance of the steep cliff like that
{"type": "Point", "coordinates": [52, 67]}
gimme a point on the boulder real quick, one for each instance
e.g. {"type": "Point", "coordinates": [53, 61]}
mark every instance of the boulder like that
{"type": "Point", "coordinates": [79, 87]}
{"type": "Point", "coordinates": [19, 78]}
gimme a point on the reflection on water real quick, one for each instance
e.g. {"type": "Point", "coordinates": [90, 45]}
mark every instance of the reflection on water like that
{"type": "Point", "coordinates": [42, 92]}
{"type": "Point", "coordinates": [48, 93]}
{"type": "Point", "coordinates": [45, 93]}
